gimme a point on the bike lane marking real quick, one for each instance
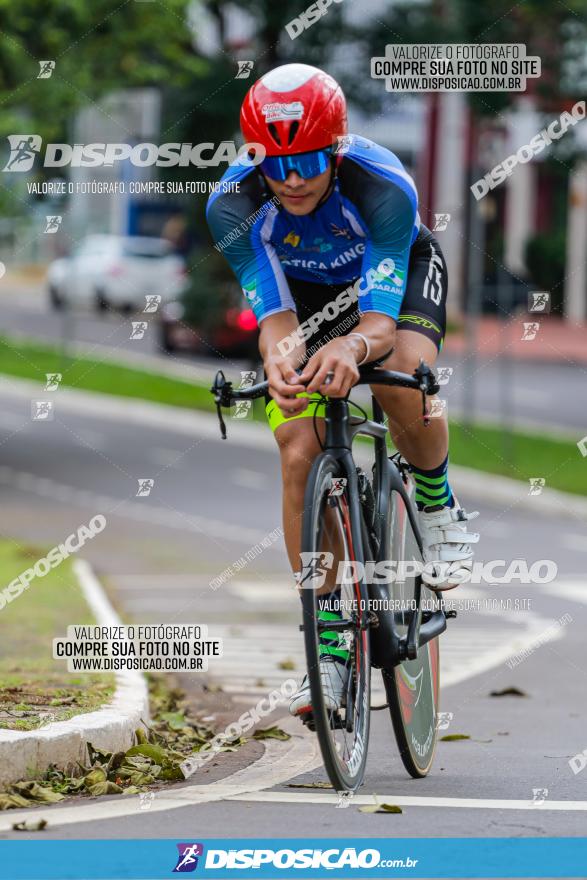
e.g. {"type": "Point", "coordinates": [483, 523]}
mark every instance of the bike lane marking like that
{"type": "Point", "coordinates": [275, 797]}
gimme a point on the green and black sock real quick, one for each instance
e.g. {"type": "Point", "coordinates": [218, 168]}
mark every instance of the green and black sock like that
{"type": "Point", "coordinates": [432, 487]}
{"type": "Point", "coordinates": [331, 641]}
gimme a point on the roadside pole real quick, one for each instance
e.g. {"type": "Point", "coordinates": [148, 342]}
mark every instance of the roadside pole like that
{"type": "Point", "coordinates": [473, 307]}
{"type": "Point", "coordinates": [505, 362]}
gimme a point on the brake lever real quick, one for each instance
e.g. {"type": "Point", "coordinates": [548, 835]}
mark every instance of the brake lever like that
{"type": "Point", "coordinates": [222, 391]}
{"type": "Point", "coordinates": [221, 420]}
{"type": "Point", "coordinates": [428, 386]}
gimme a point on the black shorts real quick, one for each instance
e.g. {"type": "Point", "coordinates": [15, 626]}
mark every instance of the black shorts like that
{"type": "Point", "coordinates": [423, 308]}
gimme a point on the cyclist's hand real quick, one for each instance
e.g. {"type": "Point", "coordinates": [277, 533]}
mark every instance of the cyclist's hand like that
{"type": "Point", "coordinates": [336, 357]}
{"type": "Point", "coordinates": [284, 384]}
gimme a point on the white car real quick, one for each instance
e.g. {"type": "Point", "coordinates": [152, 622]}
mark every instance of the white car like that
{"type": "Point", "coordinates": [112, 271]}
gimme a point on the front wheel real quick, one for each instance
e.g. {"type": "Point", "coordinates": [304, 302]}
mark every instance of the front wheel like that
{"type": "Point", "coordinates": [327, 539]}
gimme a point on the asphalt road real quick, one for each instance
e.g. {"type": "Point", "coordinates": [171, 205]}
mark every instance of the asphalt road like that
{"type": "Point", "coordinates": [497, 389]}
{"type": "Point", "coordinates": [210, 502]}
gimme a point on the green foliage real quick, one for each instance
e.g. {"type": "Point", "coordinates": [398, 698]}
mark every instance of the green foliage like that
{"type": "Point", "coordinates": [98, 47]}
{"type": "Point", "coordinates": [546, 259]}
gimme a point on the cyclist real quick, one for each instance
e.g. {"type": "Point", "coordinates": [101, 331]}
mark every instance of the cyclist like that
{"type": "Point", "coordinates": [325, 239]}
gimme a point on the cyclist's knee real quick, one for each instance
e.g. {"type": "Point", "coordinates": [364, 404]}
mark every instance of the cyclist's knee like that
{"type": "Point", "coordinates": [298, 447]}
{"type": "Point", "coordinates": [409, 350]}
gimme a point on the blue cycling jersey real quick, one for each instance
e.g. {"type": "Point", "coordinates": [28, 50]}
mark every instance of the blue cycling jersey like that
{"type": "Point", "coordinates": [364, 229]}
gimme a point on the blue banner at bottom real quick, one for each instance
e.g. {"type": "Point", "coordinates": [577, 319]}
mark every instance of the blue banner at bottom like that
{"type": "Point", "coordinates": [270, 858]}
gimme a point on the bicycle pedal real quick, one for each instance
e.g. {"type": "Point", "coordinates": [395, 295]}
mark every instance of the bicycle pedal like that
{"type": "Point", "coordinates": [336, 722]}
{"type": "Point", "coordinates": [308, 721]}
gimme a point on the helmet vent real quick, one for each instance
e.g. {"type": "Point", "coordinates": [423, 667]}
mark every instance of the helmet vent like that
{"type": "Point", "coordinates": [274, 133]}
{"type": "Point", "coordinates": [293, 130]}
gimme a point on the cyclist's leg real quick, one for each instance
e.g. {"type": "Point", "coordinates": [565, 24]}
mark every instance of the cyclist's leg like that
{"type": "Point", "coordinates": [419, 335]}
{"type": "Point", "coordinates": [298, 447]}
{"type": "Point", "coordinates": [296, 437]}
{"type": "Point", "coordinates": [424, 447]}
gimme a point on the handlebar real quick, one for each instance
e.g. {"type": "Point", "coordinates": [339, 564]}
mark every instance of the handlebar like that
{"type": "Point", "coordinates": [422, 380]}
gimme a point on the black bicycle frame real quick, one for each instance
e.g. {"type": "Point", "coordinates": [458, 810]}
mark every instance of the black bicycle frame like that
{"type": "Point", "coordinates": [388, 648]}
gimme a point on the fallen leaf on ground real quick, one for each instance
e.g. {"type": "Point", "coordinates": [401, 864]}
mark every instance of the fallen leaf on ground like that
{"type": "Point", "coordinates": [35, 792]}
{"type": "Point", "coordinates": [286, 664]}
{"type": "Point", "coordinates": [381, 808]}
{"type": "Point", "coordinates": [453, 737]}
{"type": "Point", "coordinates": [102, 788]}
{"type": "Point", "coordinates": [30, 826]}
{"type": "Point", "coordinates": [271, 733]}
{"type": "Point", "coordinates": [309, 785]}
{"type": "Point", "coordinates": [509, 692]}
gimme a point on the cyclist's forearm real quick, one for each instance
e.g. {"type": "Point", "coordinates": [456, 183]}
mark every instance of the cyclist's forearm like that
{"type": "Point", "coordinates": [379, 330]}
{"type": "Point", "coordinates": [278, 338]}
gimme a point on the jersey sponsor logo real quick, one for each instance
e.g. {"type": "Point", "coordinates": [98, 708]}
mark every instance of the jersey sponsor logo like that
{"type": "Point", "coordinates": [251, 294]}
{"type": "Point", "coordinates": [422, 322]}
{"type": "Point", "coordinates": [387, 277]}
{"type": "Point", "coordinates": [433, 283]}
{"type": "Point", "coordinates": [292, 238]}
{"type": "Point", "coordinates": [320, 246]}
{"type": "Point", "coordinates": [277, 112]}
{"type": "Point", "coordinates": [341, 231]}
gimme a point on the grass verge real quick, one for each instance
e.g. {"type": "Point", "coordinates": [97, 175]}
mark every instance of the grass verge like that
{"type": "Point", "coordinates": [34, 688]}
{"type": "Point", "coordinates": [483, 448]}
{"type": "Point", "coordinates": [30, 360]}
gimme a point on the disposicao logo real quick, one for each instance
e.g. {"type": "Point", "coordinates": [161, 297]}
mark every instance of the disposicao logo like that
{"type": "Point", "coordinates": [187, 860]}
{"type": "Point", "coordinates": [25, 147]}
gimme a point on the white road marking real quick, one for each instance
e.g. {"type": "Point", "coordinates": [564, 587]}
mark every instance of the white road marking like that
{"type": "Point", "coordinates": [269, 591]}
{"type": "Point", "coordinates": [253, 652]}
{"type": "Point", "coordinates": [280, 761]}
{"type": "Point", "coordinates": [278, 797]}
{"type": "Point", "coordinates": [465, 653]}
{"type": "Point", "coordinates": [159, 583]}
{"type": "Point", "coordinates": [575, 590]}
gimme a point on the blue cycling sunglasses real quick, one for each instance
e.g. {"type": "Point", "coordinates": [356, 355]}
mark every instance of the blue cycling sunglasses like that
{"type": "Point", "coordinates": [305, 164]}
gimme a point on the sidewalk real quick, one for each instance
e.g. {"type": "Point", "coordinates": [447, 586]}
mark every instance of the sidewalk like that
{"type": "Point", "coordinates": [556, 341]}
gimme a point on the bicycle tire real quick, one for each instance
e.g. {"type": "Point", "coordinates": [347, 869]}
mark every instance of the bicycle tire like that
{"type": "Point", "coordinates": [344, 759]}
{"type": "Point", "coordinates": [412, 686]}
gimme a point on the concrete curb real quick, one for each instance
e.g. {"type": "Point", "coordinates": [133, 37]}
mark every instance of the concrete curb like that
{"type": "Point", "coordinates": [244, 432]}
{"type": "Point", "coordinates": [64, 742]}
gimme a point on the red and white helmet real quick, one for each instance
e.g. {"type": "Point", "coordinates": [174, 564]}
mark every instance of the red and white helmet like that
{"type": "Point", "coordinates": [294, 108]}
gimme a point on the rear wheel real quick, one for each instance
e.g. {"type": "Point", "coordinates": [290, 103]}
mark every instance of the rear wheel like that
{"type": "Point", "coordinates": [413, 686]}
{"type": "Point", "coordinates": [342, 733]}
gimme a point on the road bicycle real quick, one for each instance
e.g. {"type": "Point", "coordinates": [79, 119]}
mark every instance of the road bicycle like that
{"type": "Point", "coordinates": [389, 621]}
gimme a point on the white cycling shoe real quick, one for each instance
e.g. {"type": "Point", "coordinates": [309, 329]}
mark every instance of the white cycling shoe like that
{"type": "Point", "coordinates": [448, 554]}
{"type": "Point", "coordinates": [334, 677]}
